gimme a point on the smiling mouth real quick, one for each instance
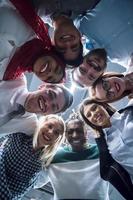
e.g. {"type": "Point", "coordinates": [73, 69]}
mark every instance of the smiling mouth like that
{"type": "Point", "coordinates": [46, 137]}
{"type": "Point", "coordinates": [45, 68]}
{"type": "Point", "coordinates": [94, 63]}
{"type": "Point", "coordinates": [42, 104]}
{"type": "Point", "coordinates": [76, 141]}
{"type": "Point", "coordinates": [117, 86]}
{"type": "Point", "coordinates": [66, 37]}
{"type": "Point", "coordinates": [98, 117]}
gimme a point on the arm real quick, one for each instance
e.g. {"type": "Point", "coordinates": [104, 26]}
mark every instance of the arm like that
{"type": "Point", "coordinates": [112, 171]}
{"type": "Point", "coordinates": [42, 179]}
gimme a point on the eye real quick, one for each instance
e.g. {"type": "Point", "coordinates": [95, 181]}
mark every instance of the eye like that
{"type": "Point", "coordinates": [50, 126]}
{"type": "Point", "coordinates": [106, 85]}
{"type": "Point", "coordinates": [56, 132]}
{"type": "Point", "coordinates": [55, 107]}
{"type": "Point", "coordinates": [61, 50]}
{"type": "Point", "coordinates": [82, 70]}
{"type": "Point", "coordinates": [75, 48]}
{"type": "Point", "coordinates": [88, 115]}
{"type": "Point", "coordinates": [94, 107]}
{"type": "Point", "coordinates": [69, 131]}
{"type": "Point", "coordinates": [110, 95]}
{"type": "Point", "coordinates": [97, 68]}
{"type": "Point", "coordinates": [52, 94]}
{"type": "Point", "coordinates": [80, 130]}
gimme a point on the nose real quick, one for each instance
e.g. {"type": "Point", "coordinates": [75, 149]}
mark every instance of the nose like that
{"type": "Point", "coordinates": [90, 69]}
{"type": "Point", "coordinates": [50, 132]}
{"type": "Point", "coordinates": [112, 88]}
{"type": "Point", "coordinates": [74, 134]}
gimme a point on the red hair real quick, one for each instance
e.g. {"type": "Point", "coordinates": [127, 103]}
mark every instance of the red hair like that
{"type": "Point", "coordinates": [26, 55]}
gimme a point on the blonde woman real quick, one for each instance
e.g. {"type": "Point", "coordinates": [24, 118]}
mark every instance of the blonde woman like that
{"type": "Point", "coordinates": [23, 156]}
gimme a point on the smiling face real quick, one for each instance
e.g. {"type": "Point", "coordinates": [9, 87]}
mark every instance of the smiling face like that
{"type": "Point", "coordinates": [67, 40]}
{"type": "Point", "coordinates": [97, 115]}
{"type": "Point", "coordinates": [110, 88]}
{"type": "Point", "coordinates": [48, 70]}
{"type": "Point", "coordinates": [76, 135]}
{"type": "Point", "coordinates": [49, 100]}
{"type": "Point", "coordinates": [90, 70]}
{"type": "Point", "coordinates": [50, 132]}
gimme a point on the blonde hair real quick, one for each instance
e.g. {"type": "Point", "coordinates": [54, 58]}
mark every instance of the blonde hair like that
{"type": "Point", "coordinates": [49, 151]}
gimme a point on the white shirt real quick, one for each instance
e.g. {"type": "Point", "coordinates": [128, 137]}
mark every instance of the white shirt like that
{"type": "Point", "coordinates": [13, 93]}
{"type": "Point", "coordinates": [14, 32]}
{"type": "Point", "coordinates": [120, 139]}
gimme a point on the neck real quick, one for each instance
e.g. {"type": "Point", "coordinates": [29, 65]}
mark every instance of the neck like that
{"type": "Point", "coordinates": [81, 148]}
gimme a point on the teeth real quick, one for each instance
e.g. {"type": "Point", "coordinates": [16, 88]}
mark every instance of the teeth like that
{"type": "Point", "coordinates": [117, 87]}
{"type": "Point", "coordinates": [66, 36]}
{"type": "Point", "coordinates": [45, 67]}
{"type": "Point", "coordinates": [46, 137]}
{"type": "Point", "coordinates": [41, 104]}
{"type": "Point", "coordinates": [98, 117]}
{"type": "Point", "coordinates": [76, 141]}
{"type": "Point", "coordinates": [95, 63]}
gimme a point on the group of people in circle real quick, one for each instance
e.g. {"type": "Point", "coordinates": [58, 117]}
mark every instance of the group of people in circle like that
{"type": "Point", "coordinates": [29, 143]}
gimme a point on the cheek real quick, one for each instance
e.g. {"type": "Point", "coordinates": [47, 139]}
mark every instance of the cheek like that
{"type": "Point", "coordinates": [55, 137]}
{"type": "Point", "coordinates": [100, 94]}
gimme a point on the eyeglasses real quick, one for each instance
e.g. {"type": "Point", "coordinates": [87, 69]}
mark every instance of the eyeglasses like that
{"type": "Point", "coordinates": [106, 86]}
{"type": "Point", "coordinates": [94, 65]}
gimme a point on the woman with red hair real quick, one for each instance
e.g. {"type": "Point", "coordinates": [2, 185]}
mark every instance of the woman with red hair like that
{"type": "Point", "coordinates": [26, 45]}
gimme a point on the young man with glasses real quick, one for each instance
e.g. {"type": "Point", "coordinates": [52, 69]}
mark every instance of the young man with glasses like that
{"type": "Point", "coordinates": [112, 86]}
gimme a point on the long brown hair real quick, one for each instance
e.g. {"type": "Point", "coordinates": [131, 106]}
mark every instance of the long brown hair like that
{"type": "Point", "coordinates": [98, 81]}
{"type": "Point", "coordinates": [87, 101]}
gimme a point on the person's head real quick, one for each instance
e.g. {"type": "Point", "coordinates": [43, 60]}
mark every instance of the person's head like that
{"type": "Point", "coordinates": [76, 133]}
{"type": "Point", "coordinates": [67, 40]}
{"type": "Point", "coordinates": [49, 135]}
{"type": "Point", "coordinates": [34, 56]}
{"type": "Point", "coordinates": [109, 88]}
{"type": "Point", "coordinates": [49, 68]}
{"type": "Point", "coordinates": [49, 99]}
{"type": "Point", "coordinates": [96, 114]}
{"type": "Point", "coordinates": [93, 66]}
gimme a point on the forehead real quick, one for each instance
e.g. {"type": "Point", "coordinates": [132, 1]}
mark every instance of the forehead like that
{"type": "Point", "coordinates": [54, 121]}
{"type": "Point", "coordinates": [100, 92]}
{"type": "Point", "coordinates": [74, 124]}
{"type": "Point", "coordinates": [55, 88]}
{"type": "Point", "coordinates": [95, 57]}
{"type": "Point", "coordinates": [88, 107]}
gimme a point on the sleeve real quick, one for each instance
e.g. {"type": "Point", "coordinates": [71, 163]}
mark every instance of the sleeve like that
{"type": "Point", "coordinates": [112, 171]}
{"type": "Point", "coordinates": [26, 124]}
{"type": "Point", "coordinates": [11, 22]}
{"type": "Point", "coordinates": [42, 179]}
